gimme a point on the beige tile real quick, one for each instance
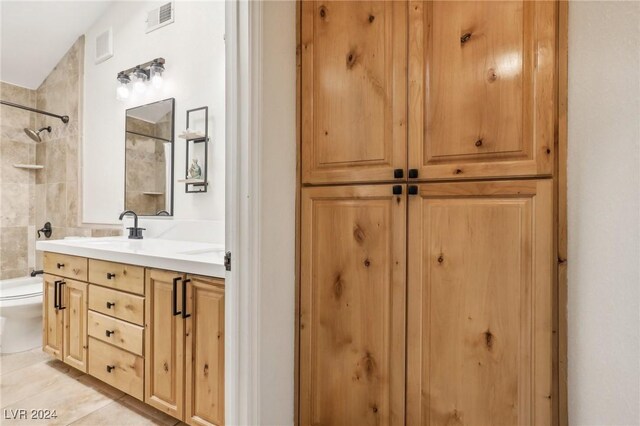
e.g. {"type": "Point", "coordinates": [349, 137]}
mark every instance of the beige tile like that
{"type": "Point", "coordinates": [56, 204]}
{"type": "Point", "coordinates": [26, 382]}
{"type": "Point", "coordinates": [73, 218]}
{"type": "Point", "coordinates": [56, 164]}
{"type": "Point", "coordinates": [12, 152]}
{"type": "Point", "coordinates": [106, 232]}
{"type": "Point", "coordinates": [17, 94]}
{"type": "Point", "coordinates": [71, 400]}
{"type": "Point", "coordinates": [40, 203]}
{"type": "Point", "coordinates": [41, 158]}
{"type": "Point", "coordinates": [7, 274]}
{"type": "Point", "coordinates": [15, 204]}
{"type": "Point", "coordinates": [31, 247]}
{"type": "Point", "coordinates": [12, 362]}
{"type": "Point", "coordinates": [13, 244]}
{"type": "Point", "coordinates": [128, 411]}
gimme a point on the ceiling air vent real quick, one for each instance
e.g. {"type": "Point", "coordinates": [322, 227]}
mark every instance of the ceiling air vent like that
{"type": "Point", "coordinates": [104, 46]}
{"type": "Point", "coordinates": [158, 18]}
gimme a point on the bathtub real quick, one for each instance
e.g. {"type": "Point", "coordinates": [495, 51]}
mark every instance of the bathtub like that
{"type": "Point", "coordinates": [20, 314]}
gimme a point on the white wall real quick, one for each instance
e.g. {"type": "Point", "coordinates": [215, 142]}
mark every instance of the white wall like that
{"type": "Point", "coordinates": [277, 202]}
{"type": "Point", "coordinates": [194, 49]}
{"type": "Point", "coordinates": [604, 206]}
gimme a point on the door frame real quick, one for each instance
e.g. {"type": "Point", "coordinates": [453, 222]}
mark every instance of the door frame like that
{"type": "Point", "coordinates": [243, 20]}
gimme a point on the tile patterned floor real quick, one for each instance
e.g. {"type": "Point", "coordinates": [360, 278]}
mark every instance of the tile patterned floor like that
{"type": "Point", "coordinates": [32, 380]}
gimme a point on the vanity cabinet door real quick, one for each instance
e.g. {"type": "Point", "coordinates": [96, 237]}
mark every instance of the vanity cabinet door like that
{"type": "Point", "coordinates": [164, 342]}
{"type": "Point", "coordinates": [74, 308]}
{"type": "Point", "coordinates": [482, 88]}
{"type": "Point", "coordinates": [52, 318]}
{"type": "Point", "coordinates": [204, 365]}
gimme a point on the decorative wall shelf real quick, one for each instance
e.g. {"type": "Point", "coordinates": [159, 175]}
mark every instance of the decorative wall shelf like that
{"type": "Point", "coordinates": [28, 166]}
{"type": "Point", "coordinates": [191, 135]}
{"type": "Point", "coordinates": [197, 147]}
{"type": "Point", "coordinates": [152, 193]}
{"type": "Point", "coordinates": [191, 181]}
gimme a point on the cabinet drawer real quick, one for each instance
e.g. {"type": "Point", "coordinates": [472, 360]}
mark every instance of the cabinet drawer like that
{"type": "Point", "coordinates": [119, 368]}
{"type": "Point", "coordinates": [117, 304]}
{"type": "Point", "coordinates": [119, 333]}
{"type": "Point", "coordinates": [65, 265]}
{"type": "Point", "coordinates": [117, 275]}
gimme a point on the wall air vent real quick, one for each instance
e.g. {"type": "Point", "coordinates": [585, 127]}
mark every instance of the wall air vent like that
{"type": "Point", "coordinates": [158, 18]}
{"type": "Point", "coordinates": [104, 46]}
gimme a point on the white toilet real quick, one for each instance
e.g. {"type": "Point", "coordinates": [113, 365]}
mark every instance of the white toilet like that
{"type": "Point", "coordinates": [21, 314]}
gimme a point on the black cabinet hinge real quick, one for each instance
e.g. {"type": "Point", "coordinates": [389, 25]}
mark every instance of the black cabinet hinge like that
{"type": "Point", "coordinates": [227, 261]}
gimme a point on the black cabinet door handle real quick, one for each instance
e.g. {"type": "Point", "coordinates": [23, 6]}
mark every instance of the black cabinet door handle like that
{"type": "Point", "coordinates": [60, 265]}
{"type": "Point", "coordinates": [174, 295]}
{"type": "Point", "coordinates": [184, 298]}
{"type": "Point", "coordinates": [60, 296]}
{"type": "Point", "coordinates": [110, 305]}
{"type": "Point", "coordinates": [55, 293]}
{"type": "Point", "coordinates": [110, 275]}
{"type": "Point", "coordinates": [109, 332]}
{"type": "Point", "coordinates": [110, 367]}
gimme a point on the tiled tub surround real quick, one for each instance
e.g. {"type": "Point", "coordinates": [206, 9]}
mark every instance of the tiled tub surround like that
{"type": "Point", "coordinates": [17, 186]}
{"type": "Point", "coordinates": [29, 198]}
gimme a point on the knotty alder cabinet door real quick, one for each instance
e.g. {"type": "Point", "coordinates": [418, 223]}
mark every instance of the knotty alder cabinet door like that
{"type": "Point", "coordinates": [52, 318]}
{"type": "Point", "coordinates": [64, 321]}
{"type": "Point", "coordinates": [74, 297]}
{"type": "Point", "coordinates": [204, 368]}
{"type": "Point", "coordinates": [353, 90]}
{"type": "Point", "coordinates": [184, 346]}
{"type": "Point", "coordinates": [479, 345]}
{"type": "Point", "coordinates": [164, 342]}
{"type": "Point", "coordinates": [352, 309]}
{"type": "Point", "coordinates": [482, 88]}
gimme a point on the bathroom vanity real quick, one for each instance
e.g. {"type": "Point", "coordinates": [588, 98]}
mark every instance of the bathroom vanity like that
{"type": "Point", "coordinates": [144, 316]}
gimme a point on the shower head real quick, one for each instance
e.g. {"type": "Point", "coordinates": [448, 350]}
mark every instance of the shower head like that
{"type": "Point", "coordinates": [36, 135]}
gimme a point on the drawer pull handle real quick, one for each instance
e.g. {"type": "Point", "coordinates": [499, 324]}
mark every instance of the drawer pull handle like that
{"type": "Point", "coordinates": [60, 265]}
{"type": "Point", "coordinates": [109, 332]}
{"type": "Point", "coordinates": [110, 275]}
{"type": "Point", "coordinates": [110, 304]}
{"type": "Point", "coordinates": [110, 367]}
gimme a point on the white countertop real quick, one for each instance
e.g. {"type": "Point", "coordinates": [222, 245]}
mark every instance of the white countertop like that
{"type": "Point", "coordinates": [181, 256]}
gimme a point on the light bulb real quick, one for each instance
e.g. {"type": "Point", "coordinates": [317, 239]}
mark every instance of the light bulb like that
{"type": "Point", "coordinates": [139, 80]}
{"type": "Point", "coordinates": [156, 71]}
{"type": "Point", "coordinates": [122, 92]}
{"type": "Point", "coordinates": [139, 86]}
{"type": "Point", "coordinates": [156, 80]}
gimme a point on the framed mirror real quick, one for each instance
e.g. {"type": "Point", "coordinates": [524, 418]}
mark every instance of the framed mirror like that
{"type": "Point", "coordinates": [149, 155]}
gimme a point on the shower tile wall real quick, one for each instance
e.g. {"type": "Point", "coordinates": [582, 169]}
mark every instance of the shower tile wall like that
{"type": "Point", "coordinates": [17, 186]}
{"type": "Point", "coordinates": [28, 199]}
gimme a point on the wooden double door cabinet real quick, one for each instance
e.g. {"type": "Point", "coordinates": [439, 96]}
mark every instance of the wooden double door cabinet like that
{"type": "Point", "coordinates": [446, 89]}
{"type": "Point", "coordinates": [427, 212]}
{"type": "Point", "coordinates": [156, 335]}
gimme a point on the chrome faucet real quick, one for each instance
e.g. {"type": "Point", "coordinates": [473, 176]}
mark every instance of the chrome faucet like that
{"type": "Point", "coordinates": [135, 233]}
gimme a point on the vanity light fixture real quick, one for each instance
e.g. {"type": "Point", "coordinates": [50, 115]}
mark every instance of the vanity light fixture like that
{"type": "Point", "coordinates": [140, 76]}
